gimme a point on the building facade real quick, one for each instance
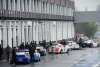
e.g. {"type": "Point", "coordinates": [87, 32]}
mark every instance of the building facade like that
{"type": "Point", "coordinates": [38, 20]}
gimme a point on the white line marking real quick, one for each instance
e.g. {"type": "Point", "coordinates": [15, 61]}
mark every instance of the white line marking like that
{"type": "Point", "coordinates": [82, 59]}
{"type": "Point", "coordinates": [97, 64]}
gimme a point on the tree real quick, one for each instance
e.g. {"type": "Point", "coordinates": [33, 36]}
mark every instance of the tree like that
{"type": "Point", "coordinates": [88, 29]}
{"type": "Point", "coordinates": [91, 29]}
{"type": "Point", "coordinates": [98, 9]}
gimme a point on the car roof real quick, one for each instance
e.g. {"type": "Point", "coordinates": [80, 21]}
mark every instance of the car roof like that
{"type": "Point", "coordinates": [55, 43]}
{"type": "Point", "coordinates": [26, 50]}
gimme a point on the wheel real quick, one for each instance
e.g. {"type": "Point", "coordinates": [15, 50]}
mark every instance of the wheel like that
{"type": "Point", "coordinates": [44, 54]}
{"type": "Point", "coordinates": [91, 45]}
{"type": "Point", "coordinates": [98, 45]}
{"type": "Point", "coordinates": [60, 51]}
{"type": "Point", "coordinates": [50, 52]}
{"type": "Point", "coordinates": [39, 59]}
{"type": "Point", "coordinates": [67, 51]}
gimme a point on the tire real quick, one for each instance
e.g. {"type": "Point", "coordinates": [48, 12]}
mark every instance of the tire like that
{"type": "Point", "coordinates": [67, 51]}
{"type": "Point", "coordinates": [98, 45]}
{"type": "Point", "coordinates": [61, 51]}
{"type": "Point", "coordinates": [91, 45]}
{"type": "Point", "coordinates": [39, 59]}
{"type": "Point", "coordinates": [50, 52]}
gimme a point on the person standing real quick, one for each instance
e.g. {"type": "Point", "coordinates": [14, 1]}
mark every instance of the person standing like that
{"type": "Point", "coordinates": [64, 43]}
{"type": "Point", "coordinates": [1, 52]}
{"type": "Point", "coordinates": [45, 44]}
{"type": "Point", "coordinates": [22, 46]}
{"type": "Point", "coordinates": [8, 52]}
{"type": "Point", "coordinates": [50, 43]}
{"type": "Point", "coordinates": [13, 56]}
{"type": "Point", "coordinates": [80, 41]}
{"type": "Point", "coordinates": [27, 46]}
{"type": "Point", "coordinates": [31, 52]}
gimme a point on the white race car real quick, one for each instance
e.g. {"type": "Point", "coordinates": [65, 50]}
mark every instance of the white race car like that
{"type": "Point", "coordinates": [91, 43]}
{"type": "Point", "coordinates": [41, 50]}
{"type": "Point", "coordinates": [58, 48]}
{"type": "Point", "coordinates": [73, 45]}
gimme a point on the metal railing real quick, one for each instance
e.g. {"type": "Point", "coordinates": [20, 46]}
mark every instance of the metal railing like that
{"type": "Point", "coordinates": [30, 15]}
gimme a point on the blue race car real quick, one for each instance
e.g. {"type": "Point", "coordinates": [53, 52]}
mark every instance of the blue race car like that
{"type": "Point", "coordinates": [36, 56]}
{"type": "Point", "coordinates": [24, 56]}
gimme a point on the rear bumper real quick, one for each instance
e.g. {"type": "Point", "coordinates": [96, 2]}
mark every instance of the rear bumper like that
{"type": "Point", "coordinates": [36, 58]}
{"type": "Point", "coordinates": [22, 60]}
{"type": "Point", "coordinates": [86, 45]}
{"type": "Point", "coordinates": [42, 53]}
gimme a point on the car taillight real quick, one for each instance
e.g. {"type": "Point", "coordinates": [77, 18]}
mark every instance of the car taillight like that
{"type": "Point", "coordinates": [26, 56]}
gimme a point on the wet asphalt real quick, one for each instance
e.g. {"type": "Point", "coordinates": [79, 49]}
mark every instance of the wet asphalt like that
{"type": "Point", "coordinates": [86, 57]}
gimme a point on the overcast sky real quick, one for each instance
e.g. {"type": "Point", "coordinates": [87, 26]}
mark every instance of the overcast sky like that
{"type": "Point", "coordinates": [90, 4]}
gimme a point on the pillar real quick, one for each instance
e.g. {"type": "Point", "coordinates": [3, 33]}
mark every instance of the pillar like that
{"type": "Point", "coordinates": [50, 30]}
{"type": "Point", "coordinates": [36, 6]}
{"type": "Point", "coordinates": [18, 5]}
{"type": "Point", "coordinates": [9, 4]}
{"type": "Point", "coordinates": [30, 6]}
{"type": "Point", "coordinates": [23, 37]}
{"type": "Point", "coordinates": [26, 32]}
{"type": "Point", "coordinates": [14, 34]}
{"type": "Point", "coordinates": [0, 32]}
{"type": "Point", "coordinates": [19, 33]}
{"type": "Point", "coordinates": [26, 6]}
{"type": "Point", "coordinates": [34, 30]}
{"type": "Point", "coordinates": [13, 4]}
{"type": "Point", "coordinates": [37, 33]}
{"type": "Point", "coordinates": [43, 30]}
{"type": "Point", "coordinates": [56, 31]}
{"type": "Point", "coordinates": [30, 32]}
{"type": "Point", "coordinates": [4, 4]}
{"type": "Point", "coordinates": [10, 35]}
{"type": "Point", "coordinates": [33, 6]}
{"type": "Point", "coordinates": [4, 34]}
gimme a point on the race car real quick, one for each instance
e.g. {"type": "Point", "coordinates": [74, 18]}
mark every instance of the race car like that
{"type": "Point", "coordinates": [52, 48]}
{"type": "Point", "coordinates": [59, 48]}
{"type": "Point", "coordinates": [36, 56]}
{"type": "Point", "coordinates": [91, 43]}
{"type": "Point", "coordinates": [73, 45]}
{"type": "Point", "coordinates": [24, 56]}
{"type": "Point", "coordinates": [41, 50]}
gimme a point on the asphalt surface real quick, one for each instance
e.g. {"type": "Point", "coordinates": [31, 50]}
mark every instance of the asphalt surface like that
{"type": "Point", "coordinates": [87, 57]}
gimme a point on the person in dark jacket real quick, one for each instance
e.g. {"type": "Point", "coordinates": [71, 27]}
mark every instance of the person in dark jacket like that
{"type": "Point", "coordinates": [13, 56]}
{"type": "Point", "coordinates": [35, 43]}
{"type": "Point", "coordinates": [64, 43]}
{"type": "Point", "coordinates": [1, 52]}
{"type": "Point", "coordinates": [8, 52]}
{"type": "Point", "coordinates": [31, 52]}
{"type": "Point", "coordinates": [31, 43]}
{"type": "Point", "coordinates": [44, 43]}
{"type": "Point", "coordinates": [27, 46]}
{"type": "Point", "coordinates": [22, 46]}
{"type": "Point", "coordinates": [80, 41]}
{"type": "Point", "coordinates": [50, 43]}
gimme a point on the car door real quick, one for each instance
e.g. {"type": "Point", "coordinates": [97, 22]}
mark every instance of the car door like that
{"type": "Point", "coordinates": [94, 43]}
